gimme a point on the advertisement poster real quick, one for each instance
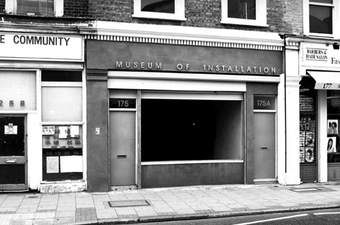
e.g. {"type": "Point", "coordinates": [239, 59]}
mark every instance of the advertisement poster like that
{"type": "Point", "coordinates": [309, 155]}
{"type": "Point", "coordinates": [332, 127]}
{"type": "Point", "coordinates": [331, 144]}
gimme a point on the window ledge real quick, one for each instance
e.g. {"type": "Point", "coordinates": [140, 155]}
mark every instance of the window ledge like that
{"type": "Point", "coordinates": [163, 16]}
{"type": "Point", "coordinates": [245, 22]}
{"type": "Point", "coordinates": [321, 35]}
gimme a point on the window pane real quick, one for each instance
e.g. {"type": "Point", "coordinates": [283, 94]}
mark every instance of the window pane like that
{"type": "Point", "coordinates": [243, 9]}
{"type": "Point", "coordinates": [322, 1]}
{"type": "Point", "coordinates": [320, 19]}
{"type": "Point", "coordinates": [61, 104]}
{"type": "Point", "coordinates": [35, 7]}
{"type": "Point", "coordinates": [61, 76]}
{"type": "Point", "coordinates": [163, 6]}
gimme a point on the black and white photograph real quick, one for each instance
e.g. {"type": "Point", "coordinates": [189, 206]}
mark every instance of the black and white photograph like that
{"type": "Point", "coordinates": [169, 112]}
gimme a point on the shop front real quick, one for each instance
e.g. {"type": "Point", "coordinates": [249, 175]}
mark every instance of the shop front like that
{"type": "Point", "coordinates": [180, 114]}
{"type": "Point", "coordinates": [41, 112]}
{"type": "Point", "coordinates": [319, 111]}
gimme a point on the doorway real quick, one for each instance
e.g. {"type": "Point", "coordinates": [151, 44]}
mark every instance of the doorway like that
{"type": "Point", "coordinates": [12, 153]}
{"type": "Point", "coordinates": [264, 125]}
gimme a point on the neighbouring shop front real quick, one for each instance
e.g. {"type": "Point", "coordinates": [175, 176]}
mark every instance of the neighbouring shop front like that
{"type": "Point", "coordinates": [174, 115]}
{"type": "Point", "coordinates": [319, 111]}
{"type": "Point", "coordinates": [41, 112]}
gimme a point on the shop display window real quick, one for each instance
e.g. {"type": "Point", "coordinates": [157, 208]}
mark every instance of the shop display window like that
{"type": "Point", "coordinates": [333, 117]}
{"type": "Point", "coordinates": [62, 133]}
{"type": "Point", "coordinates": [307, 126]}
{"type": "Point", "coordinates": [62, 152]}
{"type": "Point", "coordinates": [191, 130]}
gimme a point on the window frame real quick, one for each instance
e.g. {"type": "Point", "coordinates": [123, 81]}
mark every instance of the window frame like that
{"type": "Point", "coordinates": [260, 15]}
{"type": "Point", "coordinates": [11, 7]}
{"type": "Point", "coordinates": [335, 18]}
{"type": "Point", "coordinates": [178, 15]}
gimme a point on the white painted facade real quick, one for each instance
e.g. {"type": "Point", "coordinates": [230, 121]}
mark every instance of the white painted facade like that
{"type": "Point", "coordinates": [27, 59]}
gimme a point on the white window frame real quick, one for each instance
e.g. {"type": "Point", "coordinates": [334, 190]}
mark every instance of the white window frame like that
{"type": "Point", "coordinates": [261, 15]}
{"type": "Point", "coordinates": [178, 15]}
{"type": "Point", "coordinates": [11, 7]}
{"type": "Point", "coordinates": [335, 19]}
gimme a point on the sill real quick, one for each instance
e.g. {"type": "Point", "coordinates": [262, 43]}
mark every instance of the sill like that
{"type": "Point", "coordinates": [318, 35]}
{"type": "Point", "coordinates": [244, 22]}
{"type": "Point", "coordinates": [162, 16]}
{"type": "Point", "coordinates": [155, 163]}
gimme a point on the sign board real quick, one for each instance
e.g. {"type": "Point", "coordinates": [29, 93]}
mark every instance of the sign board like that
{"type": "Point", "coordinates": [264, 102]}
{"type": "Point", "coordinates": [47, 47]}
{"type": "Point", "coordinates": [320, 55]}
{"type": "Point", "coordinates": [122, 103]}
{"type": "Point", "coordinates": [124, 56]}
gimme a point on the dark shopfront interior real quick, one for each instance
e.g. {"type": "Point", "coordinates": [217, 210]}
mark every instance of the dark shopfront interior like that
{"type": "Point", "coordinates": [175, 130]}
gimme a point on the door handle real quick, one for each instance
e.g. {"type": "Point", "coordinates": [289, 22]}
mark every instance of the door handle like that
{"type": "Point", "coordinates": [11, 161]}
{"type": "Point", "coordinates": [264, 147]}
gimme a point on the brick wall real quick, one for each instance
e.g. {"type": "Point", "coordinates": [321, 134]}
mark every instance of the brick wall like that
{"type": "Point", "coordinates": [75, 8]}
{"type": "Point", "coordinates": [2, 6]}
{"type": "Point", "coordinates": [282, 15]}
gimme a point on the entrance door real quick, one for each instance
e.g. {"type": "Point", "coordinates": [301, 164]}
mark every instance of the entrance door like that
{"type": "Point", "coordinates": [12, 153]}
{"type": "Point", "coordinates": [264, 127]}
{"type": "Point", "coordinates": [123, 147]}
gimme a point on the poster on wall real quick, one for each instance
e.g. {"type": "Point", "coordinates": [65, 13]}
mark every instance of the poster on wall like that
{"type": "Point", "coordinates": [331, 144]}
{"type": "Point", "coordinates": [48, 130]}
{"type": "Point", "coordinates": [309, 155]}
{"type": "Point", "coordinates": [52, 164]}
{"type": "Point", "coordinates": [332, 127]}
{"type": "Point", "coordinates": [11, 129]}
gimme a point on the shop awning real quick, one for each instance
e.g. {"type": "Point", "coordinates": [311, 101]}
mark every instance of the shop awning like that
{"type": "Point", "coordinates": [326, 80]}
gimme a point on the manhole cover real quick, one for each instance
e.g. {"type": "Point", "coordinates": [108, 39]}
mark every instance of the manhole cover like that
{"type": "Point", "coordinates": [310, 189]}
{"type": "Point", "coordinates": [128, 203]}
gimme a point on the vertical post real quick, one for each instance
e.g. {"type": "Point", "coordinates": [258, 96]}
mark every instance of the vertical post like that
{"type": "Point", "coordinates": [139, 138]}
{"type": "Point", "coordinates": [322, 135]}
{"type": "Point", "coordinates": [290, 174]}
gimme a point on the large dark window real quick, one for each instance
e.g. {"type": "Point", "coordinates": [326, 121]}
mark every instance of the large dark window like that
{"type": "Point", "coordinates": [35, 7]}
{"type": "Point", "coordinates": [333, 110]}
{"type": "Point", "coordinates": [191, 130]}
{"type": "Point", "coordinates": [242, 9]}
{"type": "Point", "coordinates": [321, 16]}
{"type": "Point", "coordinates": [162, 6]}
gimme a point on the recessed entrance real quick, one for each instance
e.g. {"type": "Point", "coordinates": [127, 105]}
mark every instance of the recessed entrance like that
{"type": "Point", "coordinates": [191, 142]}
{"type": "Point", "coordinates": [12, 153]}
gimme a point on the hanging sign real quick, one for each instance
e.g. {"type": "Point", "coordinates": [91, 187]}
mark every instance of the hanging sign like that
{"type": "Point", "coordinates": [11, 129]}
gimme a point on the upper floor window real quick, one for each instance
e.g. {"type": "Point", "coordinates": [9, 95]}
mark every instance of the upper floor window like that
{"type": "Point", "coordinates": [244, 12]}
{"type": "Point", "coordinates": [35, 7]}
{"type": "Point", "coordinates": [159, 9]}
{"type": "Point", "coordinates": [321, 16]}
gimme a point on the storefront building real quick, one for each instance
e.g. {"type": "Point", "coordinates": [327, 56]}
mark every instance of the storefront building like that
{"type": "Point", "coordinates": [42, 110]}
{"type": "Point", "coordinates": [319, 110]}
{"type": "Point", "coordinates": [175, 106]}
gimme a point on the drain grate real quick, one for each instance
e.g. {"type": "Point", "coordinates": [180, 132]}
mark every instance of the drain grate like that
{"type": "Point", "coordinates": [310, 189]}
{"type": "Point", "coordinates": [128, 203]}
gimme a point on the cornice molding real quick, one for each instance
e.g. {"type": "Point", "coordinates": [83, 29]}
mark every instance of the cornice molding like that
{"type": "Point", "coordinates": [173, 41]}
{"type": "Point", "coordinates": [183, 35]}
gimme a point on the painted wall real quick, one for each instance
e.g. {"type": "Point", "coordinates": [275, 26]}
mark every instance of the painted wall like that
{"type": "Point", "coordinates": [191, 174]}
{"type": "Point", "coordinates": [97, 132]}
{"type": "Point", "coordinates": [228, 140]}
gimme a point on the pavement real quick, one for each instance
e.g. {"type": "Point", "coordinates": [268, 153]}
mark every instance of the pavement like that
{"type": "Point", "coordinates": [163, 204]}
